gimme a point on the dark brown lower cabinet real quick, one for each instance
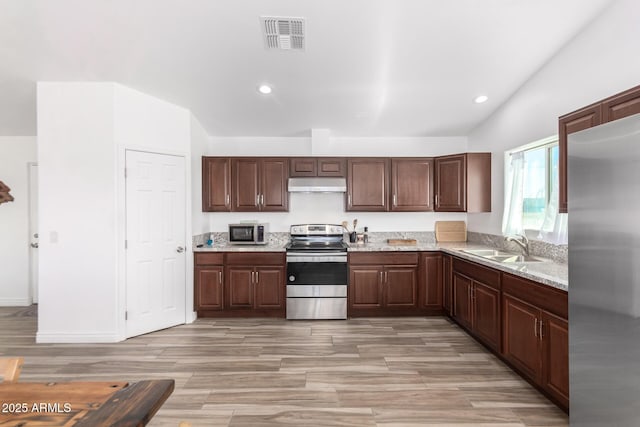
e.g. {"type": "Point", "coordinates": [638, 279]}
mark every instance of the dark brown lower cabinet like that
{"type": "Point", "coordinates": [536, 341]}
{"type": "Point", "coordinates": [447, 286]}
{"type": "Point", "coordinates": [476, 301]}
{"type": "Point", "coordinates": [383, 284]}
{"type": "Point", "coordinates": [234, 287]}
{"type": "Point", "coordinates": [208, 282]}
{"type": "Point", "coordinates": [430, 282]}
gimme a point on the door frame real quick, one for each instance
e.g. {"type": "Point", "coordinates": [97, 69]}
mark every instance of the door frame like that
{"type": "Point", "coordinates": [33, 290]}
{"type": "Point", "coordinates": [121, 290]}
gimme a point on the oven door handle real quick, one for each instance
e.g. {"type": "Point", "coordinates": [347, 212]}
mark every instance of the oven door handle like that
{"type": "Point", "coordinates": [316, 257]}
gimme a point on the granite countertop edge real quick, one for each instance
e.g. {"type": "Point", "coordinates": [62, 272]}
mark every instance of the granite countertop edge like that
{"type": "Point", "coordinates": [547, 272]}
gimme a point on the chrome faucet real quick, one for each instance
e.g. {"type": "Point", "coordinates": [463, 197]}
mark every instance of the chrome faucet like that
{"type": "Point", "coordinates": [520, 240]}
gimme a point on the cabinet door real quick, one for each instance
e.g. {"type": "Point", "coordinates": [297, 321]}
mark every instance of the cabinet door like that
{"type": "Point", "coordinates": [367, 184]}
{"type": "Point", "coordinates": [274, 196]}
{"type": "Point", "coordinates": [447, 290]}
{"type": "Point", "coordinates": [332, 166]}
{"type": "Point", "coordinates": [208, 290]}
{"type": "Point", "coordinates": [486, 314]}
{"type": "Point", "coordinates": [521, 340]}
{"type": "Point", "coordinates": [412, 185]}
{"type": "Point", "coordinates": [246, 185]}
{"type": "Point", "coordinates": [239, 287]}
{"type": "Point", "coordinates": [400, 286]}
{"type": "Point", "coordinates": [303, 166]}
{"type": "Point", "coordinates": [365, 287]}
{"type": "Point", "coordinates": [431, 281]}
{"type": "Point", "coordinates": [216, 184]}
{"type": "Point", "coordinates": [585, 118]}
{"type": "Point", "coordinates": [269, 288]}
{"type": "Point", "coordinates": [450, 181]}
{"type": "Point", "coordinates": [462, 299]}
{"type": "Point", "coordinates": [555, 342]}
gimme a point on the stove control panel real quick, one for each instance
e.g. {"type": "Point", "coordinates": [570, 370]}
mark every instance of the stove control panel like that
{"type": "Point", "coordinates": [316, 229]}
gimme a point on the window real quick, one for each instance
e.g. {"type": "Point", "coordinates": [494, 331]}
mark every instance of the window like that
{"type": "Point", "coordinates": [531, 192]}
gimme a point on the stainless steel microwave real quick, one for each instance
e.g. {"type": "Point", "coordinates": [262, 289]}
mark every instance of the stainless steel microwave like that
{"type": "Point", "coordinates": [248, 234]}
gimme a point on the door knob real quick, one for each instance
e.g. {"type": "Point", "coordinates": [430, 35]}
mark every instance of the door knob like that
{"type": "Point", "coordinates": [179, 249]}
{"type": "Point", "coordinates": [35, 245]}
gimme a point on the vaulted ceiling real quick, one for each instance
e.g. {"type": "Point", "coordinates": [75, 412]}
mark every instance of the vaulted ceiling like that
{"type": "Point", "coordinates": [369, 68]}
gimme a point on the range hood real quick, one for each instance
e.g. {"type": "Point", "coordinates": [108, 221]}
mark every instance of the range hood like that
{"type": "Point", "coordinates": [317, 185]}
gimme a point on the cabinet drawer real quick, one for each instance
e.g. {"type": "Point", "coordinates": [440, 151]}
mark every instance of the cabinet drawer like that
{"type": "Point", "coordinates": [255, 258]}
{"type": "Point", "coordinates": [547, 298]}
{"type": "Point", "coordinates": [202, 258]}
{"type": "Point", "coordinates": [384, 258]}
{"type": "Point", "coordinates": [486, 275]}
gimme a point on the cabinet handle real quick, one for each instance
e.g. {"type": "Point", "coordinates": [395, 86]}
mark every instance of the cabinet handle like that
{"type": "Point", "coordinates": [541, 333]}
{"type": "Point", "coordinates": [386, 277]}
{"type": "Point", "coordinates": [257, 199]}
{"type": "Point", "coordinates": [349, 199]}
{"type": "Point", "coordinates": [381, 278]}
{"type": "Point", "coordinates": [253, 280]}
{"type": "Point", "coordinates": [257, 277]}
{"type": "Point", "coordinates": [535, 328]}
{"type": "Point", "coordinates": [220, 276]}
{"type": "Point", "coordinates": [395, 200]}
{"type": "Point", "coordinates": [262, 200]}
{"type": "Point", "coordinates": [436, 200]}
{"type": "Point", "coordinates": [227, 199]}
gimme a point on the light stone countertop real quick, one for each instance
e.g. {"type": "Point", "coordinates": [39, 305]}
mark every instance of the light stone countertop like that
{"type": "Point", "coordinates": [547, 272]}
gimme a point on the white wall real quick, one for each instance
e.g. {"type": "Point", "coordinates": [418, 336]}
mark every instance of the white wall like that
{"type": "Point", "coordinates": [308, 208]}
{"type": "Point", "coordinates": [597, 63]}
{"type": "Point", "coordinates": [199, 147]}
{"type": "Point", "coordinates": [77, 206]}
{"type": "Point", "coordinates": [15, 153]}
{"type": "Point", "coordinates": [84, 130]}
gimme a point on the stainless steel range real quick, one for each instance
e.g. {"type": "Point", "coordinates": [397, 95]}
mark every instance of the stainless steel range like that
{"type": "Point", "coordinates": [317, 272]}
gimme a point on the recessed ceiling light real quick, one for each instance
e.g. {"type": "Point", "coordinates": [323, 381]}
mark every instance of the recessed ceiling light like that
{"type": "Point", "coordinates": [264, 89]}
{"type": "Point", "coordinates": [480, 99]}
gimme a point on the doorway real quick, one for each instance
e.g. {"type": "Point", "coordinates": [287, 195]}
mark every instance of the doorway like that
{"type": "Point", "coordinates": [33, 231]}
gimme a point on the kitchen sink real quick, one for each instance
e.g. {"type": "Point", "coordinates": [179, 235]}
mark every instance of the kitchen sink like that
{"type": "Point", "coordinates": [485, 253]}
{"type": "Point", "coordinates": [501, 256]}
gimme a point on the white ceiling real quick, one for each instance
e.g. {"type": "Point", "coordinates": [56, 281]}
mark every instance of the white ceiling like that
{"type": "Point", "coordinates": [371, 68]}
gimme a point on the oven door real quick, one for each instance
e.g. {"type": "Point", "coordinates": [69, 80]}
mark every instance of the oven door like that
{"type": "Point", "coordinates": [317, 269]}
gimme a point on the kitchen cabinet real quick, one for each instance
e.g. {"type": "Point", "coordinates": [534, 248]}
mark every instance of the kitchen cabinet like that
{"type": "Point", "coordinates": [383, 284]}
{"type": "Point", "coordinates": [412, 184]}
{"type": "Point", "coordinates": [208, 282]}
{"type": "Point", "coordinates": [317, 167]}
{"type": "Point", "coordinates": [260, 184]}
{"type": "Point", "coordinates": [431, 282]}
{"type": "Point", "coordinates": [615, 107]}
{"type": "Point", "coordinates": [536, 338]}
{"type": "Point", "coordinates": [216, 184]}
{"type": "Point", "coordinates": [463, 183]}
{"type": "Point", "coordinates": [476, 301]}
{"type": "Point", "coordinates": [255, 282]}
{"type": "Point", "coordinates": [367, 184]}
{"type": "Point", "coordinates": [447, 289]}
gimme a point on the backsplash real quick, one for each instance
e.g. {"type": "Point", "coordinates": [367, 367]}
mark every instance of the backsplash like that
{"type": "Point", "coordinates": [558, 253]}
{"type": "Point", "coordinates": [222, 238]}
{"type": "Point", "coordinates": [420, 236]}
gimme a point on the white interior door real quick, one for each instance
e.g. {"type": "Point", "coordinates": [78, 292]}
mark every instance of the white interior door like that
{"type": "Point", "coordinates": [155, 233]}
{"type": "Point", "coordinates": [33, 231]}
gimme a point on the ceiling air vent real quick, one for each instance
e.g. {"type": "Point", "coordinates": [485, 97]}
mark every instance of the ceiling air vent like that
{"type": "Point", "coordinates": [283, 33]}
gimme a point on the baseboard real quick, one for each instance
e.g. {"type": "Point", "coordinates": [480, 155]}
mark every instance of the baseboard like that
{"type": "Point", "coordinates": [73, 338]}
{"type": "Point", "coordinates": [15, 302]}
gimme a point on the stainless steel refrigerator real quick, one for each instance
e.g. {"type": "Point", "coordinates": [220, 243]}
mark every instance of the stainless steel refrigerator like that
{"type": "Point", "coordinates": [604, 274]}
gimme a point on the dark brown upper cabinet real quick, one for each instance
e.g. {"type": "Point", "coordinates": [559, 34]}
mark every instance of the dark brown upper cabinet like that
{"type": "Point", "coordinates": [463, 183]}
{"type": "Point", "coordinates": [317, 166]}
{"type": "Point", "coordinates": [260, 184]}
{"type": "Point", "coordinates": [367, 184]}
{"type": "Point", "coordinates": [216, 184]}
{"type": "Point", "coordinates": [615, 107]}
{"type": "Point", "coordinates": [412, 184]}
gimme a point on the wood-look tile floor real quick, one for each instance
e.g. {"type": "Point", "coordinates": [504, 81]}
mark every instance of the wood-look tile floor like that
{"type": "Point", "coordinates": [419, 371]}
